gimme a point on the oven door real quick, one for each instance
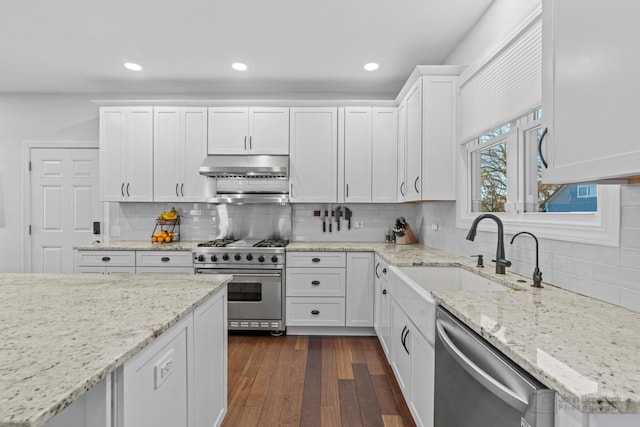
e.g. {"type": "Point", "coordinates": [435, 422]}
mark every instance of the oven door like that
{"type": "Point", "coordinates": [252, 294]}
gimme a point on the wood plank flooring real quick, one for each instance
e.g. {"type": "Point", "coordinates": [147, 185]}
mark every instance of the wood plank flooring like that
{"type": "Point", "coordinates": [311, 381]}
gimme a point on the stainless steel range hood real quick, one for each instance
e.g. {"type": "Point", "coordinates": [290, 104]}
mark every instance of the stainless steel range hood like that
{"type": "Point", "coordinates": [248, 179]}
{"type": "Point", "coordinates": [242, 166]}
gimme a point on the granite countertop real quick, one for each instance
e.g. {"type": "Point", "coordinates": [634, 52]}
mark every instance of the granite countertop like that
{"type": "Point", "coordinates": [139, 245]}
{"type": "Point", "coordinates": [62, 334]}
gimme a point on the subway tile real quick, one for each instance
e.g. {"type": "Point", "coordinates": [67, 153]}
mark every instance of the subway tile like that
{"type": "Point", "coordinates": [630, 216]}
{"type": "Point", "coordinates": [630, 258]}
{"type": "Point", "coordinates": [630, 299]}
{"type": "Point", "coordinates": [630, 238]}
{"type": "Point", "coordinates": [630, 195]}
{"type": "Point", "coordinates": [597, 289]}
{"type": "Point", "coordinates": [601, 254]}
{"type": "Point", "coordinates": [625, 277]}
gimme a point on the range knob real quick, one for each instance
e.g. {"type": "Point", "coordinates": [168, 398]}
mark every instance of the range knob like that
{"type": "Point", "coordinates": [261, 258]}
{"type": "Point", "coordinates": [201, 258]}
{"type": "Point", "coordinates": [225, 257]}
{"type": "Point", "coordinates": [249, 257]}
{"type": "Point", "coordinates": [214, 258]}
{"type": "Point", "coordinates": [274, 258]}
{"type": "Point", "coordinates": [237, 257]}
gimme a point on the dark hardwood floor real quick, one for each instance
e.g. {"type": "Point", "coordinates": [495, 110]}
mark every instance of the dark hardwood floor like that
{"type": "Point", "coordinates": [311, 381]}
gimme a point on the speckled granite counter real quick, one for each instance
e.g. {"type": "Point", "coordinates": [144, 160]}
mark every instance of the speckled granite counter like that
{"type": "Point", "coordinates": [586, 349]}
{"type": "Point", "coordinates": [62, 334]}
{"type": "Point", "coordinates": [139, 245]}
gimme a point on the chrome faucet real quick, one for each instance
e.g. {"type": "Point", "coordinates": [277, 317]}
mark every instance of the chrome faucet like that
{"type": "Point", "coordinates": [500, 261]}
{"type": "Point", "coordinates": [537, 274]}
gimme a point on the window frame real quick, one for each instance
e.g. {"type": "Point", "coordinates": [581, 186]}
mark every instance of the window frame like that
{"type": "Point", "coordinates": [599, 228]}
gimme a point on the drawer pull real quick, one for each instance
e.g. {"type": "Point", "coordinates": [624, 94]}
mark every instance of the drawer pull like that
{"type": "Point", "coordinates": [166, 259]}
{"type": "Point", "coordinates": [106, 258]}
{"type": "Point", "coordinates": [315, 259]}
{"type": "Point", "coordinates": [315, 282]}
{"type": "Point", "coordinates": [315, 312]}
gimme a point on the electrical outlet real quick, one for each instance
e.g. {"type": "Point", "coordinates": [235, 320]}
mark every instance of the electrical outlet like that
{"type": "Point", "coordinates": [163, 369]}
{"type": "Point", "coordinates": [358, 224]}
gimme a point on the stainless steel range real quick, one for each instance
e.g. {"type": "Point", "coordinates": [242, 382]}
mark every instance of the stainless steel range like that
{"type": "Point", "coordinates": [256, 293]}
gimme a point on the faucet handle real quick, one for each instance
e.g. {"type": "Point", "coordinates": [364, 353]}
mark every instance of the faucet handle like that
{"type": "Point", "coordinates": [504, 262]}
{"type": "Point", "coordinates": [480, 260]}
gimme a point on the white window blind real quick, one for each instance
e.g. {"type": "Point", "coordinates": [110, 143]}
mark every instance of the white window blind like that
{"type": "Point", "coordinates": [506, 85]}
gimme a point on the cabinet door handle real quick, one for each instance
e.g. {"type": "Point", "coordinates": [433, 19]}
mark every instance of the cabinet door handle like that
{"type": "Point", "coordinates": [544, 162]}
{"type": "Point", "coordinates": [315, 259]}
{"type": "Point", "coordinates": [128, 195]}
{"type": "Point", "coordinates": [347, 190]}
{"type": "Point", "coordinates": [315, 312]}
{"type": "Point", "coordinates": [415, 184]}
{"type": "Point", "coordinates": [250, 144]}
{"type": "Point", "coordinates": [402, 335]}
{"type": "Point", "coordinates": [377, 275]}
{"type": "Point", "coordinates": [177, 185]}
{"type": "Point", "coordinates": [106, 258]}
{"type": "Point", "coordinates": [404, 340]}
{"type": "Point", "coordinates": [315, 282]}
{"type": "Point", "coordinates": [291, 189]}
{"type": "Point", "coordinates": [165, 259]}
{"type": "Point", "coordinates": [402, 188]}
{"type": "Point", "coordinates": [182, 189]}
{"type": "Point", "coordinates": [245, 142]}
{"type": "Point", "coordinates": [122, 189]}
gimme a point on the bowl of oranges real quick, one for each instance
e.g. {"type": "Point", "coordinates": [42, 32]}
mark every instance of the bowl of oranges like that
{"type": "Point", "coordinates": [167, 227]}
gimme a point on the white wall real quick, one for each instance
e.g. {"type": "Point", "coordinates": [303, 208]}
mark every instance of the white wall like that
{"type": "Point", "coordinates": [492, 25]}
{"type": "Point", "coordinates": [41, 118]}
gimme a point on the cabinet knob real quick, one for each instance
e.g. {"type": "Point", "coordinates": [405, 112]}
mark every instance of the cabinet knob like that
{"type": "Point", "coordinates": [384, 292]}
{"type": "Point", "coordinates": [315, 259]}
{"type": "Point", "coordinates": [315, 312]}
{"type": "Point", "coordinates": [315, 282]}
{"type": "Point", "coordinates": [106, 258]}
{"type": "Point", "coordinates": [384, 271]}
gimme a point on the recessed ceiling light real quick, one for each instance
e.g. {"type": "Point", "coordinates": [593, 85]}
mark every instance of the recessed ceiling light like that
{"type": "Point", "coordinates": [371, 66]}
{"type": "Point", "coordinates": [239, 66]}
{"type": "Point", "coordinates": [132, 66]}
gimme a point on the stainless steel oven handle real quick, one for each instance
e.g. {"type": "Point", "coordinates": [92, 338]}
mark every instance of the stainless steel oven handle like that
{"type": "Point", "coordinates": [257, 274]}
{"type": "Point", "coordinates": [488, 382]}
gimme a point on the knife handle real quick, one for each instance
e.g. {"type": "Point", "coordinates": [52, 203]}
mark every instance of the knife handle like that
{"type": "Point", "coordinates": [324, 226]}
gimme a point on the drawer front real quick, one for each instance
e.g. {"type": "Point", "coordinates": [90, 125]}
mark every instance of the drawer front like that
{"type": "Point", "coordinates": [165, 270]}
{"type": "Point", "coordinates": [321, 282]}
{"type": "Point", "coordinates": [164, 258]}
{"type": "Point", "coordinates": [316, 259]}
{"type": "Point", "coordinates": [315, 311]}
{"type": "Point", "coordinates": [106, 258]}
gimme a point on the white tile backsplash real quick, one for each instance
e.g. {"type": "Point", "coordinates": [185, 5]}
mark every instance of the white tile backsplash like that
{"type": "Point", "coordinates": [611, 274]}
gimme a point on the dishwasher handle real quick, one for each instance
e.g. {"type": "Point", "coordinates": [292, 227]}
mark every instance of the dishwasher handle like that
{"type": "Point", "coordinates": [488, 382]}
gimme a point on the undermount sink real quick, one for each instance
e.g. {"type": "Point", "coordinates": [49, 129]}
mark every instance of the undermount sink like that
{"type": "Point", "coordinates": [450, 279]}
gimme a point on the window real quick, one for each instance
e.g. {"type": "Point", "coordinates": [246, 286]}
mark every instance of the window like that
{"type": "Point", "coordinates": [504, 176]}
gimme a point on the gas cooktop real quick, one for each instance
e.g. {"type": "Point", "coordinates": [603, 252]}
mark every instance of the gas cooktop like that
{"type": "Point", "coordinates": [242, 243]}
{"type": "Point", "coordinates": [247, 252]}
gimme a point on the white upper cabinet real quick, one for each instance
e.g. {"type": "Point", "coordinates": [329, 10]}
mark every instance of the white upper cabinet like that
{"type": "Point", "coordinates": [413, 141]}
{"type": "Point", "coordinates": [589, 98]}
{"type": "Point", "coordinates": [401, 184]}
{"type": "Point", "coordinates": [180, 145]}
{"type": "Point", "coordinates": [357, 154]}
{"type": "Point", "coordinates": [314, 155]}
{"type": "Point", "coordinates": [255, 130]}
{"type": "Point", "coordinates": [384, 154]}
{"type": "Point", "coordinates": [126, 154]}
{"type": "Point", "coordinates": [439, 137]}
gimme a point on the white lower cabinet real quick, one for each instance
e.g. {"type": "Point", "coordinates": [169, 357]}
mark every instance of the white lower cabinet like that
{"type": "Point", "coordinates": [105, 262]}
{"type": "Point", "coordinates": [180, 379]}
{"type": "Point", "coordinates": [153, 385]}
{"type": "Point", "coordinates": [329, 289]}
{"type": "Point", "coordinates": [164, 262]}
{"type": "Point", "coordinates": [401, 335]}
{"type": "Point", "coordinates": [382, 304]}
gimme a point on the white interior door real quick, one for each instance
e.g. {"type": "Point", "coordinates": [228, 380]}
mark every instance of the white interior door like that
{"type": "Point", "coordinates": [64, 204]}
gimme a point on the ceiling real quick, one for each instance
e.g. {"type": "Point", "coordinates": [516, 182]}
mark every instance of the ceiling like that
{"type": "Point", "coordinates": [293, 48]}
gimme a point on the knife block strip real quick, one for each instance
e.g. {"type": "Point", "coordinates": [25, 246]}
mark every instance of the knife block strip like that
{"type": "Point", "coordinates": [408, 238]}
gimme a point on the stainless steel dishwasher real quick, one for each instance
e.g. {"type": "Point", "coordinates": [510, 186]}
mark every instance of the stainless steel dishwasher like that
{"type": "Point", "coordinates": [476, 385]}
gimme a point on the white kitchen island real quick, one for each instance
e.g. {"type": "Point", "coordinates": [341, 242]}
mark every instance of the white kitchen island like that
{"type": "Point", "coordinates": [78, 350]}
